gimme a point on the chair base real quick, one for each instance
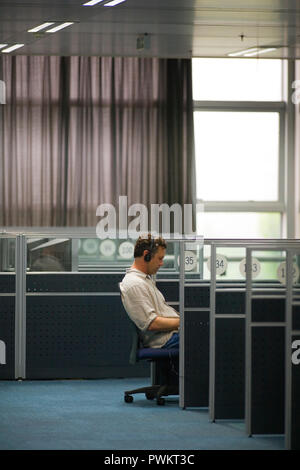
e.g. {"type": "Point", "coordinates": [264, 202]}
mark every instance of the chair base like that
{"type": "Point", "coordinates": [152, 392]}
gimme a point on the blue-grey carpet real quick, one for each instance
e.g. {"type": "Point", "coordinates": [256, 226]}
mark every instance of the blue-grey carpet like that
{"type": "Point", "coordinates": [91, 415]}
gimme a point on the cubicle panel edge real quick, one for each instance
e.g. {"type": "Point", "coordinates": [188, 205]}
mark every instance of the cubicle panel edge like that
{"type": "Point", "coordinates": [7, 337]}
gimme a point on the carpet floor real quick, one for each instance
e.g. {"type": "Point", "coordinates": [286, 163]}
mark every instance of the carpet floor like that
{"type": "Point", "coordinates": [92, 414]}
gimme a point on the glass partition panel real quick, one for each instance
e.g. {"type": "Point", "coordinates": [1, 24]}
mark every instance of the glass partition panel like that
{"type": "Point", "coordinates": [193, 260]}
{"type": "Point", "coordinates": [231, 264]}
{"type": "Point", "coordinates": [228, 263]}
{"type": "Point", "coordinates": [7, 254]}
{"type": "Point", "coordinates": [94, 254]}
{"type": "Point", "coordinates": [49, 254]}
{"type": "Point", "coordinates": [271, 266]}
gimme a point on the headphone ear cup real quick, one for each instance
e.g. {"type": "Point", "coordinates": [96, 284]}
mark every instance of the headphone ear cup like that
{"type": "Point", "coordinates": [147, 257]}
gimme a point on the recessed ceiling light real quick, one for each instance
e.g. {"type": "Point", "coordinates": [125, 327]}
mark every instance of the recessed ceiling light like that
{"type": "Point", "coordinates": [41, 26]}
{"type": "Point", "coordinates": [113, 3]}
{"type": "Point", "coordinates": [261, 51]}
{"type": "Point", "coordinates": [92, 2]}
{"type": "Point", "coordinates": [13, 48]}
{"type": "Point", "coordinates": [59, 27]}
{"type": "Point", "coordinates": [252, 52]}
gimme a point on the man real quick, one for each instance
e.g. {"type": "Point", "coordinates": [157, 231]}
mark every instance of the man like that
{"type": "Point", "coordinates": [157, 321]}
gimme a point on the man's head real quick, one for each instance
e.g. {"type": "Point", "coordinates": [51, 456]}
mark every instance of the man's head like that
{"type": "Point", "coordinates": [149, 253]}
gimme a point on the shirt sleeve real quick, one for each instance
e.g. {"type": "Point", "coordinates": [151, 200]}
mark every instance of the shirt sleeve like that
{"type": "Point", "coordinates": [139, 307]}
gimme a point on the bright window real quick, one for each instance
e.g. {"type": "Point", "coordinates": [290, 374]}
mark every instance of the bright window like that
{"type": "Point", "coordinates": [237, 79]}
{"type": "Point", "coordinates": [239, 146]}
{"type": "Point", "coordinates": [239, 225]}
{"type": "Point", "coordinates": [237, 156]}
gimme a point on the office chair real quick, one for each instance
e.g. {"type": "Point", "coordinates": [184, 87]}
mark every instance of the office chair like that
{"type": "Point", "coordinates": [165, 379]}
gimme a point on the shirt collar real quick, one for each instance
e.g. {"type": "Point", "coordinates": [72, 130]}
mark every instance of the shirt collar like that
{"type": "Point", "coordinates": [139, 273]}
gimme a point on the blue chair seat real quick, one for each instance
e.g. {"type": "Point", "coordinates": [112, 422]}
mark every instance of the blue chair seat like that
{"type": "Point", "coordinates": [156, 353]}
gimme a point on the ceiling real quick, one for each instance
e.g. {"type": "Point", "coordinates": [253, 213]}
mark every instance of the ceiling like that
{"type": "Point", "coordinates": [173, 28]}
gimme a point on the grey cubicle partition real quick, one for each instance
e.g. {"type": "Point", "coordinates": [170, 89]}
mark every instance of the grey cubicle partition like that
{"type": "Point", "coordinates": [265, 354]}
{"type": "Point", "coordinates": [229, 365]}
{"type": "Point", "coordinates": [194, 309]}
{"type": "Point", "coordinates": [195, 332]}
{"type": "Point", "coordinates": [292, 377]}
{"type": "Point", "coordinates": [66, 324]}
{"type": "Point", "coordinates": [60, 325]}
{"type": "Point", "coordinates": [7, 306]}
{"type": "Point", "coordinates": [7, 326]}
{"type": "Point", "coordinates": [227, 347]}
{"type": "Point", "coordinates": [76, 327]}
{"type": "Point", "coordinates": [196, 340]}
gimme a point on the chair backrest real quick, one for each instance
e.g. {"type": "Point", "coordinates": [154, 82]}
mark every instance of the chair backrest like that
{"type": "Point", "coordinates": [135, 339]}
{"type": "Point", "coordinates": [134, 344]}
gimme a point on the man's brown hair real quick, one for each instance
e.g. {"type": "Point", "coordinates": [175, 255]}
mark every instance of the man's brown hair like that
{"type": "Point", "coordinates": [148, 243]}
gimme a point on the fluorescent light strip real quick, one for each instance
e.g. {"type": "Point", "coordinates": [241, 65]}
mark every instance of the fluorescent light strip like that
{"type": "Point", "coordinates": [261, 51]}
{"type": "Point", "coordinates": [92, 3]}
{"type": "Point", "coordinates": [41, 26]}
{"type": "Point", "coordinates": [113, 3]}
{"type": "Point", "coordinates": [2, 45]}
{"type": "Point", "coordinates": [13, 48]}
{"type": "Point", "coordinates": [59, 27]}
{"type": "Point", "coordinates": [234, 54]}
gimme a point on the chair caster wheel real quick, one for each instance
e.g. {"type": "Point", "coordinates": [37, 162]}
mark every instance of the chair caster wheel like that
{"type": "Point", "coordinates": [150, 396]}
{"type": "Point", "coordinates": [128, 398]}
{"type": "Point", "coordinates": [160, 401]}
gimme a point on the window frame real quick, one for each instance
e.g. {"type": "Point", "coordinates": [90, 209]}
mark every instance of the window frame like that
{"type": "Point", "coordinates": [281, 107]}
{"type": "Point", "coordinates": [252, 106]}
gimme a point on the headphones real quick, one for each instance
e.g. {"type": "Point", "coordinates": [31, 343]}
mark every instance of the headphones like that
{"type": "Point", "coordinates": [148, 255]}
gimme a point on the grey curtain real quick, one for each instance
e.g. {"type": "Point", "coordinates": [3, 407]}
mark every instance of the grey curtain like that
{"type": "Point", "coordinates": [77, 132]}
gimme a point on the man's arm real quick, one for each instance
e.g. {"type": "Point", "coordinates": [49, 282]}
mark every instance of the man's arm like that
{"type": "Point", "coordinates": [164, 324]}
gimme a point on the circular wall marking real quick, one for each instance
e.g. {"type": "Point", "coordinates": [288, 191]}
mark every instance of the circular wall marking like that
{"type": "Point", "coordinates": [126, 250]}
{"type": "Point", "coordinates": [221, 264]}
{"type": "Point", "coordinates": [190, 260]}
{"type": "Point", "coordinates": [107, 248]}
{"type": "Point", "coordinates": [89, 246]}
{"type": "Point", "coordinates": [255, 267]}
{"type": "Point", "coordinates": [281, 273]}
